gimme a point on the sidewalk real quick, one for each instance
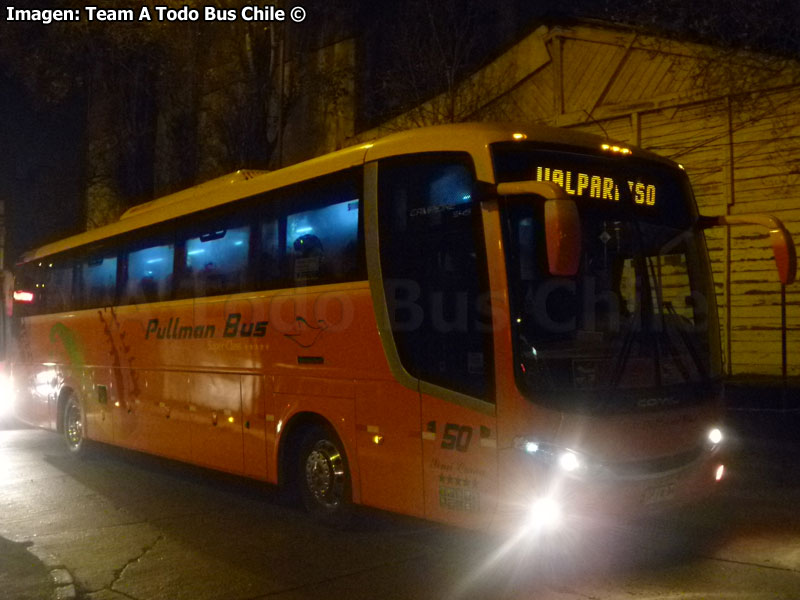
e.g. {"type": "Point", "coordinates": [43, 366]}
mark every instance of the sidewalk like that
{"type": "Point", "coordinates": [28, 574]}
{"type": "Point", "coordinates": [22, 575]}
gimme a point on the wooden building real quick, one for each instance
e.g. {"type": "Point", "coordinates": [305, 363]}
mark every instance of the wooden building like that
{"type": "Point", "coordinates": [731, 118]}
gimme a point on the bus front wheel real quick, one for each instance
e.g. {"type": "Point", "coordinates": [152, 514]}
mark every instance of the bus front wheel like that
{"type": "Point", "coordinates": [73, 426]}
{"type": "Point", "coordinates": [324, 477]}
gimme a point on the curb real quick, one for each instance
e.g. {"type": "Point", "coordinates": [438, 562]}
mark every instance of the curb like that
{"type": "Point", "coordinates": [59, 575]}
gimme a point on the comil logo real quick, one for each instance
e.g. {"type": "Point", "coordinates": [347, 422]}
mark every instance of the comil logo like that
{"type": "Point", "coordinates": [657, 402]}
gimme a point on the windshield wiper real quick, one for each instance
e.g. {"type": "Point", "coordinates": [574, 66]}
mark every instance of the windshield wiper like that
{"type": "Point", "coordinates": [644, 310]}
{"type": "Point", "coordinates": [624, 353]}
{"type": "Point", "coordinates": [687, 341]}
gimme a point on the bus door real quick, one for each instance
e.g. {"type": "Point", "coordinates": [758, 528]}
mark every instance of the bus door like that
{"type": "Point", "coordinates": [453, 357]}
{"type": "Point", "coordinates": [435, 286]}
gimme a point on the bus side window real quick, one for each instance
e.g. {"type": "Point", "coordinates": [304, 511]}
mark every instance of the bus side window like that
{"type": "Point", "coordinates": [215, 261]}
{"type": "Point", "coordinates": [97, 278]}
{"type": "Point", "coordinates": [57, 285]}
{"type": "Point", "coordinates": [322, 243]}
{"type": "Point", "coordinates": [149, 274]}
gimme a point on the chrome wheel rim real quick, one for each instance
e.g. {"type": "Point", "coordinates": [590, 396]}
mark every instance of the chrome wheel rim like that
{"type": "Point", "coordinates": [325, 474]}
{"type": "Point", "coordinates": [73, 425]}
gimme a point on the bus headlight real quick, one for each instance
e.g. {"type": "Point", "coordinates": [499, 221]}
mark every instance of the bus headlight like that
{"type": "Point", "coordinates": [715, 436]}
{"type": "Point", "coordinates": [569, 461]}
{"type": "Point", "coordinates": [545, 515]}
{"type": "Point", "coordinates": [566, 460]}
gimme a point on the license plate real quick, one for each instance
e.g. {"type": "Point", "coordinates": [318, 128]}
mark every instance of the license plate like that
{"type": "Point", "coordinates": [661, 493]}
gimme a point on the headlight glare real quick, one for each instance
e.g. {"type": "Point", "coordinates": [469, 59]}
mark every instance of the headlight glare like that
{"type": "Point", "coordinates": [566, 460]}
{"type": "Point", "coordinates": [531, 447]}
{"type": "Point", "coordinates": [569, 461]}
{"type": "Point", "coordinates": [715, 436]}
{"type": "Point", "coordinates": [544, 515]}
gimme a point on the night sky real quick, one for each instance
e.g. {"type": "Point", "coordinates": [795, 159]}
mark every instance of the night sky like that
{"type": "Point", "coordinates": [35, 138]}
{"type": "Point", "coordinates": [42, 179]}
{"type": "Point", "coordinates": [43, 150]}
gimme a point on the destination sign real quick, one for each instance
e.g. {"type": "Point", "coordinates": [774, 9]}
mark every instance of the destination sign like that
{"type": "Point", "coordinates": [645, 189]}
{"type": "Point", "coordinates": [599, 187]}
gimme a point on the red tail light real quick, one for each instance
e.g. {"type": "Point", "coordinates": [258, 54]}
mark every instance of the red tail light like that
{"type": "Point", "coordinates": [21, 296]}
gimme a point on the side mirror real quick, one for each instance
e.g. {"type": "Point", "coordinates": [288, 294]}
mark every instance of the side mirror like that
{"type": "Point", "coordinates": [561, 222]}
{"type": "Point", "coordinates": [782, 244]}
{"type": "Point", "coordinates": [563, 232]}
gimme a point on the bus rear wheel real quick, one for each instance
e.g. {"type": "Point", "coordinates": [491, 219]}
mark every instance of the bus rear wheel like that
{"type": "Point", "coordinates": [324, 477]}
{"type": "Point", "coordinates": [73, 426]}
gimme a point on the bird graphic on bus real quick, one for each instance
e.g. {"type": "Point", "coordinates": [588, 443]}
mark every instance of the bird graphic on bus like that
{"type": "Point", "coordinates": [304, 334]}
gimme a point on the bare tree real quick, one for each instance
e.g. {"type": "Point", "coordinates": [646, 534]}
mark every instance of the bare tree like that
{"type": "Point", "coordinates": [167, 104]}
{"type": "Point", "coordinates": [431, 63]}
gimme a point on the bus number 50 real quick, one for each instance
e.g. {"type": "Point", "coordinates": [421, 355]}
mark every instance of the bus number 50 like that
{"type": "Point", "coordinates": [456, 437]}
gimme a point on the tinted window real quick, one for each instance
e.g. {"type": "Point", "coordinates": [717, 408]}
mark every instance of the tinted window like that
{"type": "Point", "coordinates": [149, 274]}
{"type": "Point", "coordinates": [323, 242]}
{"type": "Point", "coordinates": [311, 234]}
{"type": "Point", "coordinates": [50, 280]}
{"type": "Point", "coordinates": [300, 235]}
{"type": "Point", "coordinates": [56, 286]}
{"type": "Point", "coordinates": [434, 271]}
{"type": "Point", "coordinates": [98, 281]}
{"type": "Point", "coordinates": [635, 316]}
{"type": "Point", "coordinates": [215, 262]}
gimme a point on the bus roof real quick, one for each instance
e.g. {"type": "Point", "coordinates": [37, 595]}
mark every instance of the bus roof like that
{"type": "Point", "coordinates": [466, 137]}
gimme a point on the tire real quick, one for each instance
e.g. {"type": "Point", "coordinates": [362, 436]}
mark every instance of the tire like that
{"type": "Point", "coordinates": [73, 423]}
{"type": "Point", "coordinates": [323, 477]}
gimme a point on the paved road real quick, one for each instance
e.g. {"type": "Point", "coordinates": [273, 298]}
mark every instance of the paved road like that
{"type": "Point", "coordinates": [127, 527]}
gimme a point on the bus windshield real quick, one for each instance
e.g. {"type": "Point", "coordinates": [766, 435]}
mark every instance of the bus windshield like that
{"type": "Point", "coordinates": [638, 316]}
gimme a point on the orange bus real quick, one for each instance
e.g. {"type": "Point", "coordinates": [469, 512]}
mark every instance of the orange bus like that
{"type": "Point", "coordinates": [476, 324]}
